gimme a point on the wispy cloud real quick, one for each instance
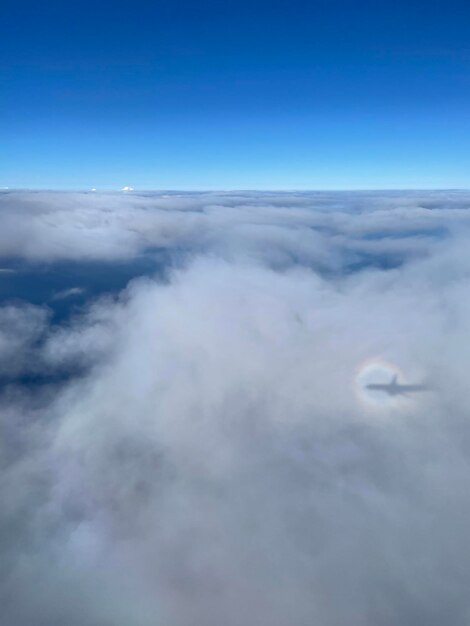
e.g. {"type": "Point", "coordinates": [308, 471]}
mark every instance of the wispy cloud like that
{"type": "Point", "coordinates": [68, 293]}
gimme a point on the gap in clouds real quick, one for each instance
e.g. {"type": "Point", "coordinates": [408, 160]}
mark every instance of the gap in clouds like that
{"type": "Point", "coordinates": [65, 286]}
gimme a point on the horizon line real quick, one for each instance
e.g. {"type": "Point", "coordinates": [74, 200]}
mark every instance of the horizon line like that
{"type": "Point", "coordinates": [134, 190]}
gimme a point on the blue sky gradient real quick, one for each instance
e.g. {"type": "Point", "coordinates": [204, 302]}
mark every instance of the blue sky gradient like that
{"type": "Point", "coordinates": [191, 95]}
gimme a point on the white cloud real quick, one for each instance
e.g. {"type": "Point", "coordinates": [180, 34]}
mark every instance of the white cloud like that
{"type": "Point", "coordinates": [304, 227]}
{"type": "Point", "coordinates": [68, 293]}
{"type": "Point", "coordinates": [213, 463]}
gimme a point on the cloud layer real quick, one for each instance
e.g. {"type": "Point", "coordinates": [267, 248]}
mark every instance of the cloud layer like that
{"type": "Point", "coordinates": [192, 449]}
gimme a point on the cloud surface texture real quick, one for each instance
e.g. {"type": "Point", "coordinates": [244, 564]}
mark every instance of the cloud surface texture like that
{"type": "Point", "coordinates": [185, 440]}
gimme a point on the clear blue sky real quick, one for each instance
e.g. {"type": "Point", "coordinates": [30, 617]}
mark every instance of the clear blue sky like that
{"type": "Point", "coordinates": [187, 94]}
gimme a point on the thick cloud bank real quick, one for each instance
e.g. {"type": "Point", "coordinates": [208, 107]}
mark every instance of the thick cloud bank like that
{"type": "Point", "coordinates": [185, 436]}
